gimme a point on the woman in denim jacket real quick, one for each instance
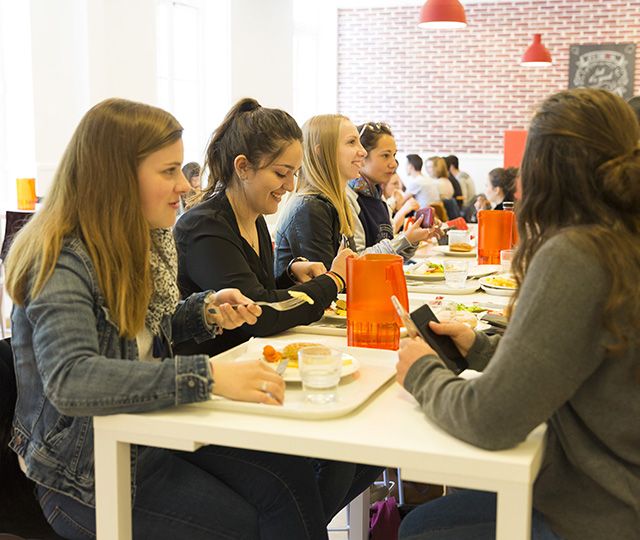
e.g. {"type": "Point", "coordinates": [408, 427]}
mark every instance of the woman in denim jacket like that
{"type": "Point", "coordinates": [93, 277]}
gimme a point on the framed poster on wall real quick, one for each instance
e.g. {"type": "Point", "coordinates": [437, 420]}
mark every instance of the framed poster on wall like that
{"type": "Point", "coordinates": [607, 65]}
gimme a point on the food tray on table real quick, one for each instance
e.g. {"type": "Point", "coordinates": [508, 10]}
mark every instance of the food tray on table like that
{"type": "Point", "coordinates": [369, 369]}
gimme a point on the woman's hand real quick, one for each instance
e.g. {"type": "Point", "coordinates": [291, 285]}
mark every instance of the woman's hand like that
{"type": "Point", "coordinates": [460, 333]}
{"type": "Point", "coordinates": [416, 234]}
{"type": "Point", "coordinates": [219, 310]}
{"type": "Point", "coordinates": [339, 264]}
{"type": "Point", "coordinates": [304, 271]}
{"type": "Point", "coordinates": [411, 350]}
{"type": "Point", "coordinates": [482, 203]}
{"type": "Point", "coordinates": [251, 380]}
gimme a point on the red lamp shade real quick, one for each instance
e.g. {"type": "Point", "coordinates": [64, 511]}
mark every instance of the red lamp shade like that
{"type": "Point", "coordinates": [442, 14]}
{"type": "Point", "coordinates": [537, 54]}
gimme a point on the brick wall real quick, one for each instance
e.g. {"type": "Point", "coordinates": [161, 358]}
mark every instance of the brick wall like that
{"type": "Point", "coordinates": [459, 90]}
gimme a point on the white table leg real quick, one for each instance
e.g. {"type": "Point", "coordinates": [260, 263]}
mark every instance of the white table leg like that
{"type": "Point", "coordinates": [113, 488]}
{"type": "Point", "coordinates": [359, 517]}
{"type": "Point", "coordinates": [513, 520]}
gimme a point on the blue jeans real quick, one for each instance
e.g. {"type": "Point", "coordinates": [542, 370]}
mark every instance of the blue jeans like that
{"type": "Point", "coordinates": [463, 515]}
{"type": "Point", "coordinates": [223, 493]}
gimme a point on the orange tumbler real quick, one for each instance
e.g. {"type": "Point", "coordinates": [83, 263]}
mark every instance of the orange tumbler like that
{"type": "Point", "coordinates": [26, 190]}
{"type": "Point", "coordinates": [495, 231]}
{"type": "Point", "coordinates": [371, 318]}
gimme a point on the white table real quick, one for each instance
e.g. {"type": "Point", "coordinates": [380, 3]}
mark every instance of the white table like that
{"type": "Point", "coordinates": [389, 431]}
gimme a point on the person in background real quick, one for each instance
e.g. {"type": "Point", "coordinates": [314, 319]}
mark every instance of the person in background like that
{"type": "Point", "coordinates": [466, 183]}
{"type": "Point", "coordinates": [436, 168]}
{"type": "Point", "coordinates": [399, 206]}
{"type": "Point", "coordinates": [574, 336]}
{"type": "Point", "coordinates": [500, 188]}
{"type": "Point", "coordinates": [634, 103]}
{"type": "Point", "coordinates": [191, 172]}
{"type": "Point", "coordinates": [366, 201]}
{"type": "Point", "coordinates": [252, 160]}
{"type": "Point", "coordinates": [423, 188]}
{"type": "Point", "coordinates": [96, 323]}
{"type": "Point", "coordinates": [318, 218]}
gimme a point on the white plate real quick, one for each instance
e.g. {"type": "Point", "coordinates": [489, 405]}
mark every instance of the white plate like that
{"type": "Point", "coordinates": [448, 253]}
{"type": "Point", "coordinates": [330, 315]}
{"type": "Point", "coordinates": [422, 276]}
{"type": "Point", "coordinates": [471, 286]}
{"type": "Point", "coordinates": [293, 374]}
{"type": "Point", "coordinates": [487, 282]}
{"type": "Point", "coordinates": [497, 292]}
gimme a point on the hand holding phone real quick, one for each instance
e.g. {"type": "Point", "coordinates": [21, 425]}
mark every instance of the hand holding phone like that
{"type": "Point", "coordinates": [417, 324]}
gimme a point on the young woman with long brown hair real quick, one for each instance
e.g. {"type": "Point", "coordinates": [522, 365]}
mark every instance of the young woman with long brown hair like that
{"type": "Point", "coordinates": [571, 354]}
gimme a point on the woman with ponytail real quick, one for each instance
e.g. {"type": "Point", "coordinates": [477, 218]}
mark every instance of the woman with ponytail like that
{"type": "Point", "coordinates": [252, 161]}
{"type": "Point", "coordinates": [571, 354]}
{"type": "Point", "coordinates": [223, 241]}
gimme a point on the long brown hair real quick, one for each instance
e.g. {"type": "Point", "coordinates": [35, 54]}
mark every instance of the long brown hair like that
{"type": "Point", "coordinates": [258, 133]}
{"type": "Point", "coordinates": [581, 174]}
{"type": "Point", "coordinates": [439, 167]}
{"type": "Point", "coordinates": [320, 173]}
{"type": "Point", "coordinates": [95, 196]}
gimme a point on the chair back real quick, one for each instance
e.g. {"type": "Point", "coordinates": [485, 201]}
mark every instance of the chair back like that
{"type": "Point", "coordinates": [20, 512]}
{"type": "Point", "coordinates": [452, 208]}
{"type": "Point", "coordinates": [14, 222]}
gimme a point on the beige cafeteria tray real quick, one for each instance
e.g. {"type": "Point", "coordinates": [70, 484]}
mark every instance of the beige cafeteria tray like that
{"type": "Point", "coordinates": [377, 367]}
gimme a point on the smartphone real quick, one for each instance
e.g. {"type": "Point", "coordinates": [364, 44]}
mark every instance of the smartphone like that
{"type": "Point", "coordinates": [417, 324]}
{"type": "Point", "coordinates": [427, 214]}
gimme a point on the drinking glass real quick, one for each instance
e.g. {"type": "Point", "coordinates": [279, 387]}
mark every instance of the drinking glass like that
{"type": "Point", "coordinates": [506, 256]}
{"type": "Point", "coordinates": [320, 369]}
{"type": "Point", "coordinates": [455, 274]}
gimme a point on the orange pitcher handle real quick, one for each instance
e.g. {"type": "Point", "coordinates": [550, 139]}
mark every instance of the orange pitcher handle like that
{"type": "Point", "coordinates": [394, 275]}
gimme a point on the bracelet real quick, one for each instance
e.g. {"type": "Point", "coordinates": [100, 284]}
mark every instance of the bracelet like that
{"type": "Point", "coordinates": [341, 282]}
{"type": "Point", "coordinates": [291, 263]}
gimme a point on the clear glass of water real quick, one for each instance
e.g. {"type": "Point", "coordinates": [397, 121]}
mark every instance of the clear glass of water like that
{"type": "Point", "coordinates": [320, 370]}
{"type": "Point", "coordinates": [455, 273]}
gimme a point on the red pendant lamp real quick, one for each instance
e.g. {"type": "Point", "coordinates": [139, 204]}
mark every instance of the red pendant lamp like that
{"type": "Point", "coordinates": [442, 14]}
{"type": "Point", "coordinates": [537, 54]}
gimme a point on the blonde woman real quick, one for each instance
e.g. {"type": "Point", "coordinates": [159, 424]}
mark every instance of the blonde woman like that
{"type": "Point", "coordinates": [95, 327]}
{"type": "Point", "coordinates": [319, 217]}
{"type": "Point", "coordinates": [436, 168]}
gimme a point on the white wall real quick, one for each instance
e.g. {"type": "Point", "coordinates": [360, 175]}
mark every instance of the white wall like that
{"type": "Point", "coordinates": [261, 51]}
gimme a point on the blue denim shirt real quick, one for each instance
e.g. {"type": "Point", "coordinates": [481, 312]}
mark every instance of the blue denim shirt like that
{"type": "Point", "coordinates": [71, 364]}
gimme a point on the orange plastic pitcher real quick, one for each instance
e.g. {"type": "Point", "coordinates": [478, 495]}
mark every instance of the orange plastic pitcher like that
{"type": "Point", "coordinates": [495, 230]}
{"type": "Point", "coordinates": [26, 190]}
{"type": "Point", "coordinates": [371, 318]}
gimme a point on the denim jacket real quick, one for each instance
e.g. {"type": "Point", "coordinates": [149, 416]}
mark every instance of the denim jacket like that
{"type": "Point", "coordinates": [71, 364]}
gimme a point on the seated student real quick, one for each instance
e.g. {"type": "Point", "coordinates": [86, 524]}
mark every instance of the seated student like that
{"type": "Point", "coordinates": [252, 158]}
{"type": "Point", "coordinates": [571, 354]}
{"type": "Point", "coordinates": [466, 183]}
{"type": "Point", "coordinates": [318, 217]}
{"type": "Point", "coordinates": [436, 168]}
{"type": "Point", "coordinates": [500, 188]}
{"type": "Point", "coordinates": [399, 206]}
{"type": "Point", "coordinates": [95, 324]}
{"type": "Point", "coordinates": [365, 195]}
{"type": "Point", "coordinates": [423, 188]}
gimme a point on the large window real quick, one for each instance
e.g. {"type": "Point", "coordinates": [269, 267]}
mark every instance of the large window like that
{"type": "Point", "coordinates": [180, 69]}
{"type": "Point", "coordinates": [17, 136]}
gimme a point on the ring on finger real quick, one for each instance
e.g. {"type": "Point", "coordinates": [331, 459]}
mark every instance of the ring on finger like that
{"type": "Point", "coordinates": [264, 387]}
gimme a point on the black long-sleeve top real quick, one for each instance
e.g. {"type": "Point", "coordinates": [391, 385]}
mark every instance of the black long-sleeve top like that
{"type": "Point", "coordinates": [212, 254]}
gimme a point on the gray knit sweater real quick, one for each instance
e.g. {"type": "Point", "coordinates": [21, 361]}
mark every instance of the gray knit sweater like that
{"type": "Point", "coordinates": [551, 366]}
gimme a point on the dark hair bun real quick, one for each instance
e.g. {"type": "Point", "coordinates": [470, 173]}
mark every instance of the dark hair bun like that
{"type": "Point", "coordinates": [247, 105]}
{"type": "Point", "coordinates": [621, 181]}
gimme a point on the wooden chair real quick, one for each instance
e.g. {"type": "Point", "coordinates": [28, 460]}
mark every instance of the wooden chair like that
{"type": "Point", "coordinates": [440, 211]}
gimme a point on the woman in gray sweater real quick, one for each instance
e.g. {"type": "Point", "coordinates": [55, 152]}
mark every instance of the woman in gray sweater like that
{"type": "Point", "coordinates": [571, 354]}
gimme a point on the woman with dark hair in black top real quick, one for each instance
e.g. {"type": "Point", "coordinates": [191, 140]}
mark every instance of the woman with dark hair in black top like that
{"type": "Point", "coordinates": [252, 160]}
